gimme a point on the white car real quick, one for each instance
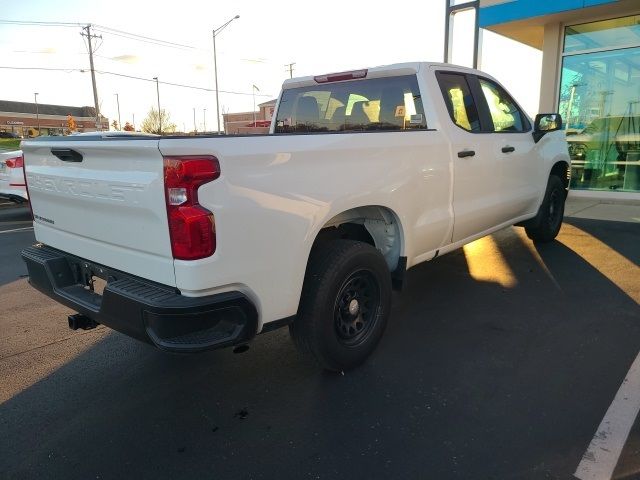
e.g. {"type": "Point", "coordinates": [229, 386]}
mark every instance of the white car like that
{"type": "Point", "coordinates": [12, 186]}
{"type": "Point", "coordinates": [194, 243]}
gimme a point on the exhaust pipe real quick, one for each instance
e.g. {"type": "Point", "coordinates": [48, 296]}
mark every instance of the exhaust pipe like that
{"type": "Point", "coordinates": [79, 321]}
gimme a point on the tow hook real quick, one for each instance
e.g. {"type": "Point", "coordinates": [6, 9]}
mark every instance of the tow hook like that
{"type": "Point", "coordinates": [83, 322]}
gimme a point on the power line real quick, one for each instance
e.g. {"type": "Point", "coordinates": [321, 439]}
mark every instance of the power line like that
{"type": "Point", "coordinates": [41, 24]}
{"type": "Point", "coordinates": [133, 77]}
{"type": "Point", "coordinates": [178, 84]}
{"type": "Point", "coordinates": [159, 43]}
{"type": "Point", "coordinates": [68, 70]}
{"type": "Point", "coordinates": [136, 36]}
{"type": "Point", "coordinates": [103, 29]}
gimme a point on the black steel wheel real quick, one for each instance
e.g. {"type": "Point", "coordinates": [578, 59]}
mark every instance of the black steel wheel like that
{"type": "Point", "coordinates": [356, 305]}
{"type": "Point", "coordinates": [546, 225]}
{"type": "Point", "coordinates": [345, 304]}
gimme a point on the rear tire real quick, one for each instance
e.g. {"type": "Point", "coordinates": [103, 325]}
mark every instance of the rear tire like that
{"type": "Point", "coordinates": [547, 223]}
{"type": "Point", "coordinates": [345, 304]}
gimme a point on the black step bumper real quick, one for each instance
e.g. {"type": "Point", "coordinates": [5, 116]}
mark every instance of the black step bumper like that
{"type": "Point", "coordinates": [148, 311]}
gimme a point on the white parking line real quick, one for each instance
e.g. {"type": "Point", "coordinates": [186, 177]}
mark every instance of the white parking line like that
{"type": "Point", "coordinates": [600, 459]}
{"type": "Point", "coordinates": [16, 230]}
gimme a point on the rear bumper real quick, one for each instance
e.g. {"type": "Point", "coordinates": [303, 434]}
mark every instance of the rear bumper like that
{"type": "Point", "coordinates": [148, 311]}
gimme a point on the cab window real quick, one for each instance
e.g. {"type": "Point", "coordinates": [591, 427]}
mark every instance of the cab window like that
{"type": "Point", "coordinates": [390, 103]}
{"type": "Point", "coordinates": [505, 114]}
{"type": "Point", "coordinates": [459, 100]}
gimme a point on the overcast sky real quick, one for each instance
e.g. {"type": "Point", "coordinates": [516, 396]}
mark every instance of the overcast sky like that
{"type": "Point", "coordinates": [320, 37]}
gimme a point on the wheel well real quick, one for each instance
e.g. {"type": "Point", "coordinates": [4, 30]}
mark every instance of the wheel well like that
{"type": "Point", "coordinates": [561, 170]}
{"type": "Point", "coordinates": [378, 226]}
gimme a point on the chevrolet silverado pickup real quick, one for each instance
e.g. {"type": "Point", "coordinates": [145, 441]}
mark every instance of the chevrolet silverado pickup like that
{"type": "Point", "coordinates": [195, 243]}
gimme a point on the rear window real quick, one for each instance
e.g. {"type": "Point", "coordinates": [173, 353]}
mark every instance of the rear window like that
{"type": "Point", "coordinates": [391, 103]}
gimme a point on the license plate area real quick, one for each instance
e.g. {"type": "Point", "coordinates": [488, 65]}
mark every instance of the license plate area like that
{"type": "Point", "coordinates": [92, 277]}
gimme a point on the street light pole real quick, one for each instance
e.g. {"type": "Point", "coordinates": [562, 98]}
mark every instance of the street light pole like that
{"type": "Point", "coordinates": [35, 96]}
{"type": "Point", "coordinates": [119, 121]}
{"type": "Point", "coordinates": [253, 93]}
{"type": "Point", "coordinates": [204, 120]}
{"type": "Point", "coordinates": [195, 127]}
{"type": "Point", "coordinates": [216, 31]}
{"type": "Point", "coordinates": [159, 115]}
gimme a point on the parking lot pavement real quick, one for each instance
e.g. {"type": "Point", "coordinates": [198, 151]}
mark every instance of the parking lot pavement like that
{"type": "Point", "coordinates": [499, 362]}
{"type": "Point", "coordinates": [16, 232]}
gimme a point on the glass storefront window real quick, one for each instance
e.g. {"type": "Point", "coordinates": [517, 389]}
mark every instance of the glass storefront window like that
{"type": "Point", "coordinates": [600, 104]}
{"type": "Point", "coordinates": [616, 32]}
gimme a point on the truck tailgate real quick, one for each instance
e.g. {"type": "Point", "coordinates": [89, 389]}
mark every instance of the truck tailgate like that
{"type": "Point", "coordinates": [109, 207]}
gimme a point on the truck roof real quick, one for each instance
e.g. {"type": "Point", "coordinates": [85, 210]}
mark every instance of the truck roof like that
{"type": "Point", "coordinates": [395, 69]}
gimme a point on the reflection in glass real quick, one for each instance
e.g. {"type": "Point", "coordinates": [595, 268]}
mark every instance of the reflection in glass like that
{"type": "Point", "coordinates": [504, 113]}
{"type": "Point", "coordinates": [600, 105]}
{"type": "Point", "coordinates": [390, 103]}
{"type": "Point", "coordinates": [615, 32]}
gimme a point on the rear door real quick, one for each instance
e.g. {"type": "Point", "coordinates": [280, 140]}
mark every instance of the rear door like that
{"type": "Point", "coordinates": [102, 200]}
{"type": "Point", "coordinates": [477, 198]}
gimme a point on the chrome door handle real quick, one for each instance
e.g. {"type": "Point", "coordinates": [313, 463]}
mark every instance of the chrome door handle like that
{"type": "Point", "coordinates": [508, 149]}
{"type": "Point", "coordinates": [466, 153]}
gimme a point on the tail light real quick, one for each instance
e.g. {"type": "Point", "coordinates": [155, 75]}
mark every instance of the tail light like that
{"type": "Point", "coordinates": [24, 176]}
{"type": "Point", "coordinates": [191, 226]}
{"type": "Point", "coordinates": [15, 162]}
{"type": "Point", "coordinates": [341, 76]}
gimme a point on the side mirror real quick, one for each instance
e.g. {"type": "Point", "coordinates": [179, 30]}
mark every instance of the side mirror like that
{"type": "Point", "coordinates": [545, 123]}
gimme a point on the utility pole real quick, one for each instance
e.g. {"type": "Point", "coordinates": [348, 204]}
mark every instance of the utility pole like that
{"type": "Point", "coordinates": [134, 122]}
{"type": "Point", "coordinates": [204, 120]}
{"type": "Point", "coordinates": [253, 93]}
{"type": "Point", "coordinates": [290, 68]}
{"type": "Point", "coordinates": [119, 121]}
{"type": "Point", "coordinates": [35, 96]}
{"type": "Point", "coordinates": [215, 32]}
{"type": "Point", "coordinates": [90, 37]}
{"type": "Point", "coordinates": [159, 115]}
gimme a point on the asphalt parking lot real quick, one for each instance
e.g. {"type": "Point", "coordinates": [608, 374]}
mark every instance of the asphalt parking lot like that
{"type": "Point", "coordinates": [499, 362]}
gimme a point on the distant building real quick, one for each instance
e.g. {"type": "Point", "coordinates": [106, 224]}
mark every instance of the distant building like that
{"type": "Point", "coordinates": [20, 117]}
{"type": "Point", "coordinates": [242, 122]}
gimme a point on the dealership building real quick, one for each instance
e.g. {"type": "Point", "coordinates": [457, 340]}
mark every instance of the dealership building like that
{"type": "Point", "coordinates": [25, 118]}
{"type": "Point", "coordinates": [590, 74]}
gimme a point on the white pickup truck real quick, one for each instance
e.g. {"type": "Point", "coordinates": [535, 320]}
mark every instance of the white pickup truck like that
{"type": "Point", "coordinates": [204, 242]}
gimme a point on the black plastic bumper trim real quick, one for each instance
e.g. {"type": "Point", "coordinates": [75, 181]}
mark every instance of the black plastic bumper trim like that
{"type": "Point", "coordinates": [276, 324]}
{"type": "Point", "coordinates": [142, 309]}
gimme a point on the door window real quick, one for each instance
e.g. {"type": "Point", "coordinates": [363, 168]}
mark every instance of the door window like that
{"type": "Point", "coordinates": [459, 100]}
{"type": "Point", "coordinates": [505, 114]}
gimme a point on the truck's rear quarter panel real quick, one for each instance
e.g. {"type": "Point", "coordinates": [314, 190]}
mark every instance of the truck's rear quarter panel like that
{"type": "Point", "coordinates": [276, 192]}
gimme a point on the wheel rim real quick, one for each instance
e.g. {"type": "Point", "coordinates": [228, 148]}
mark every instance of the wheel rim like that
{"type": "Point", "coordinates": [356, 308]}
{"type": "Point", "coordinates": [555, 208]}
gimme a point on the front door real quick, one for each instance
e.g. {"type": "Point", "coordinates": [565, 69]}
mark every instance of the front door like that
{"type": "Point", "coordinates": [519, 161]}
